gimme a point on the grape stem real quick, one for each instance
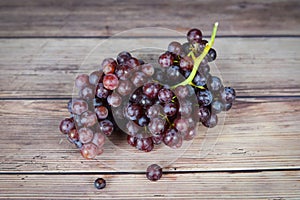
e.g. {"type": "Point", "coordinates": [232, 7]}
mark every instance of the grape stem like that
{"type": "Point", "coordinates": [198, 60]}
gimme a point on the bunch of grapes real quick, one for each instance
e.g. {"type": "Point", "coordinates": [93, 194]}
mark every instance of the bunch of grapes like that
{"type": "Point", "coordinates": [154, 104]}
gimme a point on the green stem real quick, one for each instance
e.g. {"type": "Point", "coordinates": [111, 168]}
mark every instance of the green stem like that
{"type": "Point", "coordinates": [198, 60]}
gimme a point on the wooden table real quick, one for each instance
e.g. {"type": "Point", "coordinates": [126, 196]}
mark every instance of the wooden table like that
{"type": "Point", "coordinates": [257, 154]}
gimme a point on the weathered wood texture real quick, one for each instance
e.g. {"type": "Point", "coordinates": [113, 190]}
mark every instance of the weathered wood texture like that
{"type": "Point", "coordinates": [47, 67]}
{"type": "Point", "coordinates": [257, 134]}
{"type": "Point", "coordinates": [261, 185]}
{"type": "Point", "coordinates": [105, 18]}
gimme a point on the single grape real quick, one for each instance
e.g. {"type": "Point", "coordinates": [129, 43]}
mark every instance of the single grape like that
{"type": "Point", "coordinates": [157, 139]}
{"type": "Point", "coordinates": [148, 69]}
{"type": "Point", "coordinates": [214, 84]}
{"type": "Point", "coordinates": [143, 121]}
{"type": "Point", "coordinates": [123, 72]}
{"type": "Point", "coordinates": [154, 111]}
{"type": "Point", "coordinates": [166, 59]}
{"type": "Point", "coordinates": [190, 134]}
{"type": "Point", "coordinates": [106, 127]}
{"type": "Point", "coordinates": [67, 125]}
{"type": "Point", "coordinates": [81, 81]}
{"type": "Point", "coordinates": [172, 137]}
{"type": "Point", "coordinates": [175, 47]}
{"type": "Point", "coordinates": [85, 135]}
{"type": "Point", "coordinates": [170, 109]}
{"type": "Point", "coordinates": [203, 113]}
{"type": "Point", "coordinates": [204, 97]}
{"type": "Point", "coordinates": [181, 91]}
{"type": "Point", "coordinates": [139, 78]}
{"type": "Point", "coordinates": [199, 79]}
{"type": "Point", "coordinates": [186, 48]}
{"type": "Point", "coordinates": [182, 125]}
{"type": "Point", "coordinates": [79, 106]}
{"type": "Point", "coordinates": [133, 63]}
{"type": "Point", "coordinates": [100, 183]}
{"type": "Point", "coordinates": [173, 74]}
{"type": "Point", "coordinates": [211, 122]}
{"type": "Point", "coordinates": [165, 95]}
{"type": "Point", "coordinates": [114, 99]}
{"type": "Point", "coordinates": [211, 55]}
{"type": "Point", "coordinates": [156, 126]}
{"type": "Point", "coordinates": [88, 118]}
{"type": "Point", "coordinates": [186, 63]}
{"type": "Point", "coordinates": [185, 108]}
{"type": "Point", "coordinates": [131, 140]}
{"type": "Point", "coordinates": [123, 56]}
{"type": "Point", "coordinates": [228, 95]}
{"type": "Point", "coordinates": [132, 128]}
{"type": "Point", "coordinates": [125, 87]}
{"type": "Point", "coordinates": [109, 65]}
{"type": "Point", "coordinates": [89, 151]}
{"type": "Point", "coordinates": [154, 172]}
{"type": "Point", "coordinates": [204, 69]}
{"type": "Point", "coordinates": [98, 139]}
{"type": "Point", "coordinates": [133, 112]}
{"type": "Point", "coordinates": [101, 112]}
{"type": "Point", "coordinates": [87, 92]}
{"type": "Point", "coordinates": [95, 77]}
{"type": "Point", "coordinates": [194, 36]}
{"type": "Point", "coordinates": [144, 144]}
{"type": "Point", "coordinates": [101, 92]}
{"type": "Point", "coordinates": [151, 90]}
{"type": "Point", "coordinates": [145, 101]}
{"type": "Point", "coordinates": [217, 106]}
{"type": "Point", "coordinates": [73, 135]}
{"type": "Point", "coordinates": [110, 81]}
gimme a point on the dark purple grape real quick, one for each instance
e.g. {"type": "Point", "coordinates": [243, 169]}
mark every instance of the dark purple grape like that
{"type": "Point", "coordinates": [173, 74]}
{"type": "Point", "coordinates": [123, 72]}
{"type": "Point", "coordinates": [109, 65]}
{"type": "Point", "coordinates": [136, 96]}
{"type": "Point", "coordinates": [166, 59]}
{"type": "Point", "coordinates": [228, 95]}
{"type": "Point", "coordinates": [154, 172]}
{"type": "Point", "coordinates": [144, 144]}
{"type": "Point", "coordinates": [157, 139]}
{"type": "Point", "coordinates": [151, 90]}
{"type": "Point", "coordinates": [211, 122]}
{"type": "Point", "coordinates": [101, 112]}
{"type": "Point", "coordinates": [204, 97]}
{"type": "Point", "coordinates": [199, 79]}
{"type": "Point", "coordinates": [186, 63]}
{"type": "Point", "coordinates": [214, 84]}
{"type": "Point", "coordinates": [154, 111]}
{"type": "Point", "coordinates": [67, 125]}
{"type": "Point", "coordinates": [217, 106]}
{"type": "Point", "coordinates": [131, 140]}
{"type": "Point", "coordinates": [170, 109]}
{"type": "Point", "coordinates": [133, 63]}
{"type": "Point", "coordinates": [123, 57]}
{"type": "Point", "coordinates": [203, 114]}
{"type": "Point", "coordinates": [172, 137]}
{"type": "Point", "coordinates": [165, 95]}
{"type": "Point", "coordinates": [100, 183]}
{"type": "Point", "coordinates": [145, 101]}
{"type": "Point", "coordinates": [101, 92]}
{"type": "Point", "coordinates": [156, 126]}
{"type": "Point", "coordinates": [106, 127]}
{"type": "Point", "coordinates": [143, 121]}
{"type": "Point", "coordinates": [175, 47]}
{"type": "Point", "coordinates": [194, 36]}
{"type": "Point", "coordinates": [133, 112]}
{"type": "Point", "coordinates": [211, 55]}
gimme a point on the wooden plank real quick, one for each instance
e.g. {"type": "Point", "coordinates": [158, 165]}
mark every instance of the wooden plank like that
{"type": "Point", "coordinates": [256, 134]}
{"type": "Point", "coordinates": [103, 18]}
{"type": "Point", "coordinates": [47, 67]}
{"type": "Point", "coordinates": [264, 185]}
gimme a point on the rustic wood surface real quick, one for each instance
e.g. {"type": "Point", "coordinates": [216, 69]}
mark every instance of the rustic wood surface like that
{"type": "Point", "coordinates": [253, 154]}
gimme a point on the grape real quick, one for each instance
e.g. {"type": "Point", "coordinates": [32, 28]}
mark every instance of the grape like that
{"type": "Point", "coordinates": [123, 56]}
{"type": "Point", "coordinates": [173, 74]}
{"type": "Point", "coordinates": [186, 63]}
{"type": "Point", "coordinates": [170, 109]}
{"type": "Point", "coordinates": [194, 36]}
{"type": "Point", "coordinates": [202, 44]}
{"type": "Point", "coordinates": [99, 139]}
{"type": "Point", "coordinates": [175, 47]}
{"type": "Point", "coordinates": [171, 137]}
{"type": "Point", "coordinates": [131, 140]}
{"type": "Point", "coordinates": [123, 72]}
{"type": "Point", "coordinates": [154, 111]}
{"type": "Point", "coordinates": [227, 106]}
{"type": "Point", "coordinates": [88, 119]}
{"type": "Point", "coordinates": [211, 55]}
{"type": "Point", "coordinates": [95, 77]}
{"type": "Point", "coordinates": [204, 69]}
{"type": "Point", "coordinates": [182, 125]}
{"type": "Point", "coordinates": [165, 95]}
{"type": "Point", "coordinates": [214, 84]}
{"type": "Point", "coordinates": [66, 125]}
{"type": "Point", "coordinates": [87, 92]}
{"type": "Point", "coordinates": [110, 81]}
{"type": "Point", "coordinates": [157, 139]}
{"type": "Point", "coordinates": [125, 87]}
{"type": "Point", "coordinates": [133, 63]}
{"type": "Point", "coordinates": [101, 92]}
{"type": "Point", "coordinates": [203, 114]}
{"type": "Point", "coordinates": [106, 127]}
{"type": "Point", "coordinates": [109, 65]}
{"type": "Point", "coordinates": [143, 121]}
{"type": "Point", "coordinates": [114, 100]}
{"type": "Point", "coordinates": [79, 106]}
{"type": "Point", "coordinates": [156, 126]}
{"type": "Point", "coordinates": [148, 69]}
{"type": "Point", "coordinates": [144, 144]}
{"type": "Point", "coordinates": [89, 151]}
{"type": "Point", "coordinates": [154, 172]}
{"type": "Point", "coordinates": [204, 97]}
{"type": "Point", "coordinates": [166, 59]}
{"type": "Point", "coordinates": [100, 183]}
{"type": "Point", "coordinates": [101, 112]}
{"type": "Point", "coordinates": [133, 112]}
{"type": "Point", "coordinates": [199, 79]}
{"type": "Point", "coordinates": [190, 134]}
{"type": "Point", "coordinates": [217, 106]}
{"type": "Point", "coordinates": [82, 80]}
{"type": "Point", "coordinates": [138, 79]}
{"type": "Point", "coordinates": [73, 134]}
{"type": "Point", "coordinates": [186, 48]}
{"type": "Point", "coordinates": [159, 75]}
{"type": "Point", "coordinates": [85, 135]}
{"type": "Point", "coordinates": [181, 91]}
{"type": "Point", "coordinates": [151, 90]}
{"type": "Point", "coordinates": [228, 95]}
{"type": "Point", "coordinates": [132, 128]}
{"type": "Point", "coordinates": [211, 122]}
{"type": "Point", "coordinates": [185, 108]}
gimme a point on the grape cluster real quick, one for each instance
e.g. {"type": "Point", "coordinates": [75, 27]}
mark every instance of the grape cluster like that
{"type": "Point", "coordinates": [152, 104]}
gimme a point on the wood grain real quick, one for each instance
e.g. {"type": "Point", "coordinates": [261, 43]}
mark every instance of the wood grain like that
{"type": "Point", "coordinates": [46, 68]}
{"type": "Point", "coordinates": [257, 134]}
{"type": "Point", "coordinates": [262, 185]}
{"type": "Point", "coordinates": [105, 18]}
